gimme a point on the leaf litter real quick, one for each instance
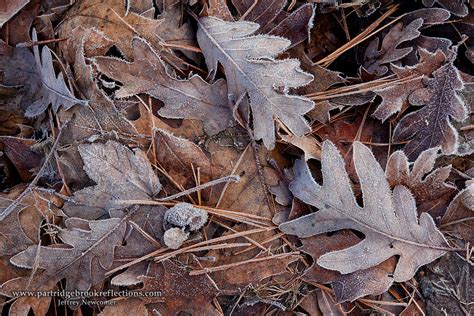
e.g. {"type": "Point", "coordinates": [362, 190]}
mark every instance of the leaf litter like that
{"type": "Point", "coordinates": [236, 157]}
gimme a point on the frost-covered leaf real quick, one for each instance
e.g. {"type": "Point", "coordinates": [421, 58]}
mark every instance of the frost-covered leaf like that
{"type": "Point", "coordinates": [428, 186]}
{"type": "Point", "coordinates": [92, 253]}
{"type": "Point", "coordinates": [459, 217]}
{"type": "Point", "coordinates": [457, 7]}
{"type": "Point", "coordinates": [376, 59]}
{"type": "Point", "coordinates": [388, 220]}
{"type": "Point", "coordinates": [181, 292]}
{"type": "Point", "coordinates": [53, 88]}
{"type": "Point", "coordinates": [251, 69]}
{"type": "Point", "coordinates": [395, 97]}
{"type": "Point", "coordinates": [192, 99]}
{"type": "Point", "coordinates": [347, 287]}
{"type": "Point", "coordinates": [431, 125]}
{"type": "Point", "coordinates": [119, 174]}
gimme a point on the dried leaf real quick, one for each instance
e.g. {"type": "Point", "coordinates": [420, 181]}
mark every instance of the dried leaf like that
{"type": "Point", "coordinates": [93, 244]}
{"type": "Point", "coordinates": [376, 59]}
{"type": "Point", "coordinates": [110, 18]}
{"type": "Point", "coordinates": [19, 152]}
{"type": "Point", "coordinates": [10, 8]}
{"type": "Point", "coordinates": [192, 99]}
{"type": "Point", "coordinates": [347, 287]}
{"type": "Point", "coordinates": [459, 217]}
{"type": "Point", "coordinates": [308, 144]}
{"type": "Point", "coordinates": [431, 125]}
{"type": "Point", "coordinates": [250, 69]}
{"type": "Point", "coordinates": [119, 174]}
{"type": "Point", "coordinates": [448, 288]}
{"type": "Point", "coordinates": [180, 291]}
{"type": "Point", "coordinates": [389, 222]}
{"type": "Point", "coordinates": [395, 97]}
{"type": "Point", "coordinates": [428, 186]}
{"type": "Point", "coordinates": [53, 89]}
{"type": "Point", "coordinates": [457, 7]}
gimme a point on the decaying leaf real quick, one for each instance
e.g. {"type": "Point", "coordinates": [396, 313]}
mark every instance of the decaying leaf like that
{"type": "Point", "coordinates": [388, 220]}
{"type": "Point", "coordinates": [448, 287]}
{"type": "Point", "coordinates": [431, 125]}
{"type": "Point", "coordinates": [428, 186]}
{"type": "Point", "coordinates": [180, 291]}
{"type": "Point", "coordinates": [457, 7]}
{"type": "Point", "coordinates": [192, 99]}
{"type": "Point", "coordinates": [376, 59]}
{"type": "Point", "coordinates": [93, 244]}
{"type": "Point", "coordinates": [395, 97]}
{"type": "Point", "coordinates": [53, 89]}
{"type": "Point", "coordinates": [250, 69]}
{"type": "Point", "coordinates": [459, 217]}
{"type": "Point", "coordinates": [347, 287]}
{"type": "Point", "coordinates": [9, 9]}
{"type": "Point", "coordinates": [119, 174]}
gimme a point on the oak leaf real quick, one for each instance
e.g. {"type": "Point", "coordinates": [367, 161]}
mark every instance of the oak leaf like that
{"type": "Point", "coordinates": [459, 217]}
{"type": "Point", "coordinates": [53, 89]}
{"type": "Point", "coordinates": [457, 7]}
{"type": "Point", "coordinates": [431, 125]}
{"type": "Point", "coordinates": [192, 98]}
{"type": "Point", "coordinates": [119, 173]}
{"type": "Point", "coordinates": [376, 58]}
{"type": "Point", "coordinates": [10, 8]}
{"type": "Point", "coordinates": [93, 244]}
{"type": "Point", "coordinates": [428, 186]}
{"type": "Point", "coordinates": [395, 97]}
{"type": "Point", "coordinates": [388, 220]}
{"type": "Point", "coordinates": [251, 69]}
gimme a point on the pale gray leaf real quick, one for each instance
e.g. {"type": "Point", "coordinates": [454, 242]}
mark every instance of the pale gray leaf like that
{"type": "Point", "coordinates": [119, 174]}
{"type": "Point", "coordinates": [251, 69]}
{"type": "Point", "coordinates": [388, 221]}
{"type": "Point", "coordinates": [53, 88]}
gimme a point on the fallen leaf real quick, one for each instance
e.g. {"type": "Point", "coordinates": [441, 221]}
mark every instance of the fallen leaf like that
{"type": "Point", "coordinates": [180, 292]}
{"type": "Point", "coordinates": [346, 287]}
{"type": "Point", "coordinates": [251, 70]}
{"type": "Point", "coordinates": [10, 8]}
{"type": "Point", "coordinates": [431, 125]}
{"type": "Point", "coordinates": [389, 222]}
{"type": "Point", "coordinates": [395, 97]}
{"type": "Point", "coordinates": [53, 90]}
{"type": "Point", "coordinates": [428, 186]}
{"type": "Point", "coordinates": [119, 174]}
{"type": "Point", "coordinates": [448, 286]}
{"type": "Point", "coordinates": [19, 151]}
{"type": "Point", "coordinates": [458, 7]}
{"type": "Point", "coordinates": [93, 244]}
{"type": "Point", "coordinates": [192, 98]}
{"type": "Point", "coordinates": [308, 144]}
{"type": "Point", "coordinates": [376, 59]}
{"type": "Point", "coordinates": [458, 219]}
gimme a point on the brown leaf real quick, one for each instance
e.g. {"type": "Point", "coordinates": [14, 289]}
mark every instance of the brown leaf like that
{"type": "Point", "coordinates": [431, 125]}
{"type": "Point", "coordinates": [119, 174]}
{"type": "Point", "coordinates": [180, 291]}
{"type": "Point", "coordinates": [110, 18]}
{"type": "Point", "coordinates": [19, 151]}
{"type": "Point", "coordinates": [308, 144]}
{"type": "Point", "coordinates": [347, 287]}
{"type": "Point", "coordinates": [217, 8]}
{"type": "Point", "coordinates": [459, 217]}
{"type": "Point", "coordinates": [242, 59]}
{"type": "Point", "coordinates": [428, 186]}
{"type": "Point", "coordinates": [192, 99]}
{"type": "Point", "coordinates": [395, 97]}
{"type": "Point", "coordinates": [91, 252]}
{"type": "Point", "coordinates": [128, 306]}
{"type": "Point", "coordinates": [10, 8]}
{"type": "Point", "coordinates": [388, 220]}
{"type": "Point", "coordinates": [20, 228]}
